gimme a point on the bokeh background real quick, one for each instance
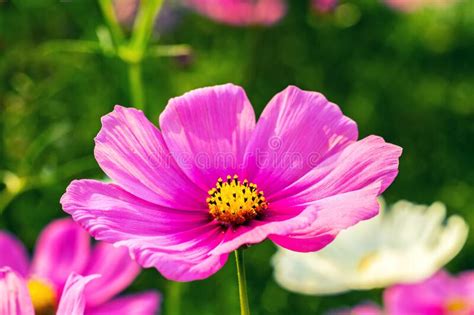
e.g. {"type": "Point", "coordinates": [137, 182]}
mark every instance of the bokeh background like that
{"type": "Point", "coordinates": [408, 77]}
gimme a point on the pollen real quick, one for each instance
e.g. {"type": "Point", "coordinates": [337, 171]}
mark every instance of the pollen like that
{"type": "Point", "coordinates": [455, 305]}
{"type": "Point", "coordinates": [43, 297]}
{"type": "Point", "coordinates": [233, 202]}
{"type": "Point", "coordinates": [367, 261]}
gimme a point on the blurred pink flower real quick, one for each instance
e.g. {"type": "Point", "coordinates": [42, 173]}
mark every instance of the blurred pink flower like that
{"type": "Point", "coordinates": [241, 12]}
{"type": "Point", "coordinates": [441, 294]}
{"type": "Point", "coordinates": [64, 248]}
{"type": "Point", "coordinates": [413, 5]}
{"type": "Point", "coordinates": [17, 300]}
{"type": "Point", "coordinates": [324, 5]}
{"type": "Point", "coordinates": [298, 176]}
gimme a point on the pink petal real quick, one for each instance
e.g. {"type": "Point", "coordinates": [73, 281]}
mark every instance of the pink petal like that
{"type": "Point", "coordinates": [355, 177]}
{"type": "Point", "coordinates": [196, 266]}
{"type": "Point", "coordinates": [62, 247]}
{"type": "Point", "coordinates": [465, 285]}
{"type": "Point", "coordinates": [141, 304]}
{"type": "Point", "coordinates": [335, 213]}
{"type": "Point", "coordinates": [132, 152]}
{"type": "Point", "coordinates": [241, 12]}
{"type": "Point", "coordinates": [117, 272]}
{"type": "Point", "coordinates": [296, 131]}
{"type": "Point", "coordinates": [14, 254]}
{"type": "Point", "coordinates": [72, 301]}
{"type": "Point", "coordinates": [182, 256]}
{"type": "Point", "coordinates": [14, 296]}
{"type": "Point", "coordinates": [357, 166]}
{"type": "Point", "coordinates": [258, 230]}
{"type": "Point", "coordinates": [176, 242]}
{"type": "Point", "coordinates": [208, 130]}
{"type": "Point", "coordinates": [114, 214]}
{"type": "Point", "coordinates": [399, 300]}
{"type": "Point", "coordinates": [324, 218]}
{"type": "Point", "coordinates": [429, 296]}
{"type": "Point", "coordinates": [367, 309]}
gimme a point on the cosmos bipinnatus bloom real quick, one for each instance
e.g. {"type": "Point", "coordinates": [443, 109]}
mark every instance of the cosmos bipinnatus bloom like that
{"type": "Point", "coordinates": [16, 298]}
{"type": "Point", "coordinates": [440, 294]}
{"type": "Point", "coordinates": [63, 251]}
{"type": "Point", "coordinates": [241, 12]}
{"type": "Point", "coordinates": [213, 179]}
{"type": "Point", "coordinates": [407, 243]}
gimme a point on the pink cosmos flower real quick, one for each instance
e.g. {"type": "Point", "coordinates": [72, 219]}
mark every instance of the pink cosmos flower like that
{"type": "Point", "coordinates": [441, 294]}
{"type": "Point", "coordinates": [241, 12]}
{"type": "Point", "coordinates": [212, 179]}
{"type": "Point", "coordinates": [17, 300]}
{"type": "Point", "coordinates": [324, 5]}
{"type": "Point", "coordinates": [64, 248]}
{"type": "Point", "coordinates": [413, 5]}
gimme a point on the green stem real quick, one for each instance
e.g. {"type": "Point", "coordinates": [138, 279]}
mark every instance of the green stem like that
{"type": "Point", "coordinates": [143, 26]}
{"type": "Point", "coordinates": [110, 17]}
{"type": "Point", "coordinates": [173, 298]}
{"type": "Point", "coordinates": [135, 80]}
{"type": "Point", "coordinates": [244, 302]}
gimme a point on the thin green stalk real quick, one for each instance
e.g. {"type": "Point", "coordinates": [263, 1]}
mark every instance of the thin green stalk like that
{"type": "Point", "coordinates": [110, 17]}
{"type": "Point", "coordinates": [135, 80]}
{"type": "Point", "coordinates": [172, 300]}
{"type": "Point", "coordinates": [143, 26]}
{"type": "Point", "coordinates": [244, 302]}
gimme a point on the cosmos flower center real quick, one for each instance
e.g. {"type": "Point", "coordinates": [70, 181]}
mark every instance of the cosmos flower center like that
{"type": "Point", "coordinates": [43, 297]}
{"type": "Point", "coordinates": [455, 305]}
{"type": "Point", "coordinates": [233, 202]}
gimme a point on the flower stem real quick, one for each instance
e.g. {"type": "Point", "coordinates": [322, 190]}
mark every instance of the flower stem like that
{"type": "Point", "coordinates": [108, 12]}
{"type": "Point", "coordinates": [143, 26]}
{"type": "Point", "coordinates": [135, 80]}
{"type": "Point", "coordinates": [172, 300]}
{"type": "Point", "coordinates": [244, 302]}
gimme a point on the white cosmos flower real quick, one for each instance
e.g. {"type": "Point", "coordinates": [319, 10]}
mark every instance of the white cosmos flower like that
{"type": "Point", "coordinates": [407, 243]}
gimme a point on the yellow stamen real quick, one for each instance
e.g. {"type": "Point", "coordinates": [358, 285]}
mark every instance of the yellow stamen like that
{"type": "Point", "coordinates": [233, 202]}
{"type": "Point", "coordinates": [367, 261]}
{"type": "Point", "coordinates": [455, 305]}
{"type": "Point", "coordinates": [43, 297]}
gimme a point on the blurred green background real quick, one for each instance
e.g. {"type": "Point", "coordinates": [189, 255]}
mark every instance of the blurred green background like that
{"type": "Point", "coordinates": [406, 77]}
